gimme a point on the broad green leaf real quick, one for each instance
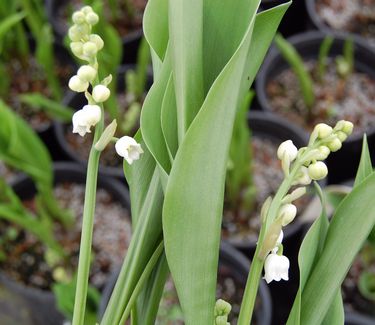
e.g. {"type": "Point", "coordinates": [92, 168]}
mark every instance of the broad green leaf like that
{"type": "Point", "coordinates": [8, 23]}
{"type": "Point", "coordinates": [348, 230]}
{"type": "Point", "coordinates": [186, 44]}
{"type": "Point", "coordinates": [193, 203]}
{"type": "Point", "coordinates": [365, 165]}
{"type": "Point", "coordinates": [53, 108]}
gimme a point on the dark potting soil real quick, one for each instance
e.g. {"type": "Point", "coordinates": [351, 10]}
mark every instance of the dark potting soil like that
{"type": "Point", "coordinates": [112, 232]}
{"type": "Point", "coordinates": [244, 225]}
{"type": "Point", "coordinates": [229, 288]}
{"type": "Point", "coordinates": [81, 145]}
{"type": "Point", "coordinates": [124, 21]}
{"type": "Point", "coordinates": [353, 299]}
{"type": "Point", "coordinates": [351, 99]}
{"type": "Point", "coordinates": [354, 16]}
{"type": "Point", "coordinates": [28, 77]}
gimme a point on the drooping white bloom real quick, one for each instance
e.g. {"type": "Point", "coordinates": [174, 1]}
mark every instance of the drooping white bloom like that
{"type": "Point", "coordinates": [287, 213]}
{"type": "Point", "coordinates": [77, 84]}
{"type": "Point", "coordinates": [276, 267]}
{"type": "Point", "coordinates": [100, 93]}
{"type": "Point", "coordinates": [129, 149]}
{"type": "Point", "coordinates": [318, 170]}
{"type": "Point", "coordinates": [287, 148]}
{"type": "Point", "coordinates": [85, 118]}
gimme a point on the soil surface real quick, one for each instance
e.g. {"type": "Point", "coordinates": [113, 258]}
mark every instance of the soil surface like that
{"type": "Point", "coordinates": [243, 225]}
{"type": "Point", "coordinates": [125, 20]}
{"type": "Point", "coordinates": [353, 299]}
{"type": "Point", "coordinates": [229, 287]}
{"type": "Point", "coordinates": [350, 99]}
{"type": "Point", "coordinates": [29, 77]}
{"type": "Point", "coordinates": [112, 232]}
{"type": "Point", "coordinates": [355, 16]}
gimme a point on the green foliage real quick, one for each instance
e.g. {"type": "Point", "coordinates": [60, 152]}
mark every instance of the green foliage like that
{"type": "Point", "coordinates": [345, 62]}
{"type": "Point", "coordinates": [296, 62]}
{"type": "Point", "coordinates": [21, 148]}
{"type": "Point", "coordinates": [7, 24]}
{"type": "Point", "coordinates": [239, 177]}
{"type": "Point", "coordinates": [53, 108]}
{"type": "Point", "coordinates": [323, 55]}
{"type": "Point", "coordinates": [323, 270]}
{"type": "Point", "coordinates": [64, 294]}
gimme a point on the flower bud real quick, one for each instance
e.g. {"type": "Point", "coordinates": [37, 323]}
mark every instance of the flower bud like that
{"type": "Point", "coordinates": [344, 126]}
{"type": "Point", "coordinates": [341, 136]}
{"type": "Point", "coordinates": [92, 18]}
{"type": "Point", "coordinates": [77, 84]}
{"type": "Point", "coordinates": [77, 48]}
{"type": "Point", "coordinates": [78, 32]}
{"type": "Point", "coordinates": [323, 153]}
{"type": "Point", "coordinates": [221, 320]}
{"type": "Point", "coordinates": [287, 213]}
{"type": "Point", "coordinates": [100, 93]}
{"type": "Point", "coordinates": [323, 130]}
{"type": "Point", "coordinates": [334, 145]}
{"type": "Point", "coordinates": [222, 307]}
{"type": "Point", "coordinates": [287, 148]}
{"type": "Point", "coordinates": [303, 177]}
{"type": "Point", "coordinates": [78, 17]}
{"type": "Point", "coordinates": [87, 73]}
{"type": "Point", "coordinates": [318, 170]}
{"type": "Point", "coordinates": [97, 40]}
{"type": "Point", "coordinates": [90, 49]}
{"type": "Point", "coordinates": [86, 10]}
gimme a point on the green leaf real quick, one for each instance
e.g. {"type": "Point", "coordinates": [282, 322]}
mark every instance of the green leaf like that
{"type": "Point", "coordinates": [365, 165]}
{"type": "Point", "coordinates": [193, 201]}
{"type": "Point", "coordinates": [53, 108]}
{"type": "Point", "coordinates": [347, 232]}
{"type": "Point", "coordinates": [8, 23]}
{"type": "Point", "coordinates": [296, 62]}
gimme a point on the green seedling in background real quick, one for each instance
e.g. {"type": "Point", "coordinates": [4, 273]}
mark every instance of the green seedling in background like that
{"type": "Point", "coordinates": [239, 183]}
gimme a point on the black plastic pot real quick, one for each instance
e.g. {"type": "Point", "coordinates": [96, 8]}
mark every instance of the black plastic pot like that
{"type": "Point", "coordinates": [307, 45]}
{"type": "Point", "coordinates": [269, 126]}
{"type": "Point", "coordinates": [77, 101]}
{"type": "Point", "coordinates": [358, 319]}
{"type": "Point", "coordinates": [130, 42]}
{"type": "Point", "coordinates": [39, 306]}
{"type": "Point", "coordinates": [240, 266]}
{"type": "Point", "coordinates": [295, 17]}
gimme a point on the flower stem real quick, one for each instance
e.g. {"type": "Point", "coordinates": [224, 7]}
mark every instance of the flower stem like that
{"type": "Point", "coordinates": [87, 230]}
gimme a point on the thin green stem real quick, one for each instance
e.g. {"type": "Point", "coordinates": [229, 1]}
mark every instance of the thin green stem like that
{"type": "Point", "coordinates": [87, 229]}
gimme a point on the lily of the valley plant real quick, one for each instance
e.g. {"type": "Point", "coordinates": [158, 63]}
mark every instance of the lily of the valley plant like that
{"type": "Point", "coordinates": [176, 168]}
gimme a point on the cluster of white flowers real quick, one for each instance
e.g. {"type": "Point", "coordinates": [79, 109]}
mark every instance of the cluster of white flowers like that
{"type": "Point", "coordinates": [324, 140]}
{"type": "Point", "coordinates": [86, 45]}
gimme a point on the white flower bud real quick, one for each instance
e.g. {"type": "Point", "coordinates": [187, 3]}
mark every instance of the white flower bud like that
{"type": "Point", "coordinates": [303, 177]}
{"type": "Point", "coordinates": [97, 40]}
{"type": "Point", "coordinates": [78, 32]}
{"type": "Point", "coordinates": [100, 93]}
{"type": "Point", "coordinates": [323, 130]}
{"type": "Point", "coordinates": [92, 18]}
{"type": "Point", "coordinates": [287, 213]}
{"type": "Point", "coordinates": [318, 170]}
{"type": "Point", "coordinates": [276, 267]}
{"type": "Point", "coordinates": [341, 135]}
{"type": "Point", "coordinates": [287, 148]}
{"type": "Point", "coordinates": [87, 73]}
{"type": "Point", "coordinates": [85, 118]}
{"type": "Point", "coordinates": [334, 145]}
{"type": "Point", "coordinates": [278, 242]}
{"type": "Point", "coordinates": [77, 84]}
{"type": "Point", "coordinates": [128, 148]}
{"type": "Point", "coordinates": [86, 9]}
{"type": "Point", "coordinates": [323, 153]}
{"type": "Point", "coordinates": [344, 126]}
{"type": "Point", "coordinates": [77, 48]}
{"type": "Point", "coordinates": [90, 49]}
{"type": "Point", "coordinates": [78, 17]}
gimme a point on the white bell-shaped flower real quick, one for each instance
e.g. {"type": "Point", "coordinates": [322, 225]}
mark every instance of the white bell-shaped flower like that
{"type": "Point", "coordinates": [86, 73]}
{"type": "Point", "coordinates": [77, 84]}
{"type": "Point", "coordinates": [129, 149]}
{"type": "Point", "coordinates": [318, 170]}
{"type": "Point", "coordinates": [276, 268]}
{"type": "Point", "coordinates": [287, 148]}
{"type": "Point", "coordinates": [287, 213]}
{"type": "Point", "coordinates": [85, 118]}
